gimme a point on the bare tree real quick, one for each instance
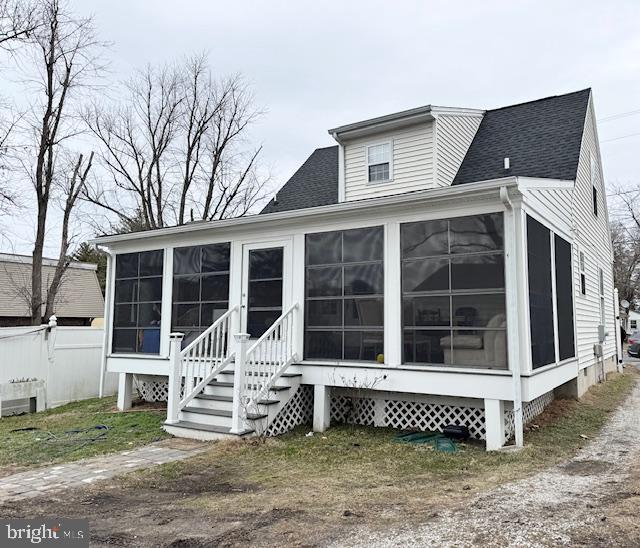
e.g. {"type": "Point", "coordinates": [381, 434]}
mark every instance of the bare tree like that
{"type": "Point", "coordinates": [626, 264]}
{"type": "Point", "coordinates": [175, 149]}
{"type": "Point", "coordinates": [19, 19]}
{"type": "Point", "coordinates": [61, 63]}
{"type": "Point", "coordinates": [73, 186]}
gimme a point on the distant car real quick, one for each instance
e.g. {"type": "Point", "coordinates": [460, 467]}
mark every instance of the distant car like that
{"type": "Point", "coordinates": [634, 344]}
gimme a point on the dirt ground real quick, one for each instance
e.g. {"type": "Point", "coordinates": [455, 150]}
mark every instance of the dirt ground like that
{"type": "Point", "coordinates": [589, 500]}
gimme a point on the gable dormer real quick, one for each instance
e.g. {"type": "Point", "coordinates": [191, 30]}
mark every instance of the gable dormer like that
{"type": "Point", "coordinates": [412, 150]}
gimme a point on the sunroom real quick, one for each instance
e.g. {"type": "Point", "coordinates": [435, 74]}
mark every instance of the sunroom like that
{"type": "Point", "coordinates": [426, 298]}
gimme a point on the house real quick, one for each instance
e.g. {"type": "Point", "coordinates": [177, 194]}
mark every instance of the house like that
{"type": "Point", "coordinates": [437, 266]}
{"type": "Point", "coordinates": [633, 321]}
{"type": "Point", "coordinates": [78, 302]}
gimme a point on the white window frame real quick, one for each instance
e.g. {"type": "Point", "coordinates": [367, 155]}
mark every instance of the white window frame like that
{"type": "Point", "coordinates": [601, 293]}
{"type": "Point", "coordinates": [633, 324]}
{"type": "Point", "coordinates": [368, 164]}
{"type": "Point", "coordinates": [593, 171]}
{"type": "Point", "coordinates": [583, 272]}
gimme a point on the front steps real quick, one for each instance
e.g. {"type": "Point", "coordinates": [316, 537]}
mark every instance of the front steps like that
{"type": "Point", "coordinates": [208, 415]}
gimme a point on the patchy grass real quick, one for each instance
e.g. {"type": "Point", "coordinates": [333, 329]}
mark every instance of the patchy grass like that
{"type": "Point", "coordinates": [365, 472]}
{"type": "Point", "coordinates": [74, 431]}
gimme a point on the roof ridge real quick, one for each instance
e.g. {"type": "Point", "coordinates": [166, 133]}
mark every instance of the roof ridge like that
{"type": "Point", "coordinates": [540, 100]}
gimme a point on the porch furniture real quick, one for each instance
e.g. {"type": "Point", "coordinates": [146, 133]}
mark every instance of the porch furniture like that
{"type": "Point", "coordinates": [487, 348]}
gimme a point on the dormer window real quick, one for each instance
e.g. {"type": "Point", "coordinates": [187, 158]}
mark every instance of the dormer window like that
{"type": "Point", "coordinates": [379, 163]}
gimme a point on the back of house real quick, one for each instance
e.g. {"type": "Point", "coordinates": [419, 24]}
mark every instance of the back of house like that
{"type": "Point", "coordinates": [436, 266]}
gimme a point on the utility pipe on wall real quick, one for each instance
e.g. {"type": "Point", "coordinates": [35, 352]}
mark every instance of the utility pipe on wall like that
{"type": "Point", "coordinates": [514, 364]}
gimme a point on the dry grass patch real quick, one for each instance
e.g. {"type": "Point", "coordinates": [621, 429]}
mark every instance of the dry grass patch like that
{"type": "Point", "coordinates": [363, 472]}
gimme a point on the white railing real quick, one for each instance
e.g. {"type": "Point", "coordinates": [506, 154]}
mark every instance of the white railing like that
{"type": "Point", "coordinates": [197, 363]}
{"type": "Point", "coordinates": [259, 367]}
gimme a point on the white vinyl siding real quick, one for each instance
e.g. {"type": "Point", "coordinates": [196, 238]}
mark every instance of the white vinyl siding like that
{"type": "Point", "coordinates": [412, 161]}
{"type": "Point", "coordinates": [591, 237]}
{"type": "Point", "coordinates": [454, 134]}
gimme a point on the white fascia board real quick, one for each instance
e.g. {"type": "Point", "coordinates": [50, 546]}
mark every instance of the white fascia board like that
{"type": "Point", "coordinates": [459, 111]}
{"type": "Point", "coordinates": [539, 183]}
{"type": "Point", "coordinates": [429, 197]}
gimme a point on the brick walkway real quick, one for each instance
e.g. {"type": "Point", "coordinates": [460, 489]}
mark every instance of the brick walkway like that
{"type": "Point", "coordinates": [33, 483]}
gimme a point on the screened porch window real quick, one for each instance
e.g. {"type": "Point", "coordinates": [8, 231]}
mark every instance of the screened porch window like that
{"type": "Point", "coordinates": [545, 261]}
{"type": "Point", "coordinates": [344, 302]}
{"type": "Point", "coordinates": [200, 288]}
{"type": "Point", "coordinates": [453, 295]}
{"type": "Point", "coordinates": [138, 302]}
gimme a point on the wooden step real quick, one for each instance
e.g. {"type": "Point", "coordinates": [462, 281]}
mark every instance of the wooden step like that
{"type": "Point", "coordinates": [284, 375]}
{"type": "Point", "coordinates": [207, 411]}
{"type": "Point", "coordinates": [230, 399]}
{"type": "Point", "coordinates": [225, 384]}
{"type": "Point", "coordinates": [209, 428]}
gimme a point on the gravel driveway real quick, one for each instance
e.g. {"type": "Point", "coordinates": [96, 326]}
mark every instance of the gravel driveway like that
{"type": "Point", "coordinates": [591, 500]}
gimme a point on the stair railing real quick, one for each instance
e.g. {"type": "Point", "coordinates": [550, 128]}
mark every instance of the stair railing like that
{"type": "Point", "coordinates": [193, 367]}
{"type": "Point", "coordinates": [258, 367]}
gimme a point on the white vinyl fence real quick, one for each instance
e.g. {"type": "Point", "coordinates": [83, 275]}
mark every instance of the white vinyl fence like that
{"type": "Point", "coordinates": [67, 359]}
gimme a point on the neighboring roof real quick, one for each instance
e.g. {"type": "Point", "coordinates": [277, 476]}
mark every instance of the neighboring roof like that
{"type": "Point", "coordinates": [314, 184]}
{"type": "Point", "coordinates": [541, 139]}
{"type": "Point", "coordinates": [79, 295]}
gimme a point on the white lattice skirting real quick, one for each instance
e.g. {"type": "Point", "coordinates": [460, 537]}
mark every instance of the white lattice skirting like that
{"type": "Point", "coordinates": [530, 410]}
{"type": "Point", "coordinates": [298, 410]}
{"type": "Point", "coordinates": [370, 409]}
{"type": "Point", "coordinates": [151, 387]}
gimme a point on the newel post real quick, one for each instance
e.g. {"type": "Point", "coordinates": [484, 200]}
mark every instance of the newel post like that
{"type": "Point", "coordinates": [242, 341]}
{"type": "Point", "coordinates": [175, 377]}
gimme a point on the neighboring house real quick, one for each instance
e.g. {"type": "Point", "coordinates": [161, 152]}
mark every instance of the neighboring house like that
{"type": "Point", "coordinates": [633, 321]}
{"type": "Point", "coordinates": [438, 266]}
{"type": "Point", "coordinates": [78, 302]}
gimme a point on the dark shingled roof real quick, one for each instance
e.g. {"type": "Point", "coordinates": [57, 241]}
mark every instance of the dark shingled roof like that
{"type": "Point", "coordinates": [541, 139]}
{"type": "Point", "coordinates": [314, 184]}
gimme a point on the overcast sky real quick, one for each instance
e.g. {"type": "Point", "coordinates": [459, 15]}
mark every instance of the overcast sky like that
{"type": "Point", "coordinates": [316, 65]}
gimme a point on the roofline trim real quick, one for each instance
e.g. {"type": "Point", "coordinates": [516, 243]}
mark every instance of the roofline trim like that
{"type": "Point", "coordinates": [429, 195]}
{"type": "Point", "coordinates": [26, 259]}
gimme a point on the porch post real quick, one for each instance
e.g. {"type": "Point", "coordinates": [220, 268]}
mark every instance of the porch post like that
{"type": "Point", "coordinates": [321, 407]}
{"type": "Point", "coordinates": [517, 307]}
{"type": "Point", "coordinates": [125, 390]}
{"type": "Point", "coordinates": [242, 341]}
{"type": "Point", "coordinates": [494, 424]}
{"type": "Point", "coordinates": [175, 377]}
{"type": "Point", "coordinates": [392, 297]}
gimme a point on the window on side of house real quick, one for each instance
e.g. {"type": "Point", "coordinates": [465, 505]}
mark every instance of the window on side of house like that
{"type": "Point", "coordinates": [379, 163]}
{"type": "Point", "coordinates": [453, 292]}
{"type": "Point", "coordinates": [344, 295]}
{"type": "Point", "coordinates": [583, 275]}
{"type": "Point", "coordinates": [138, 302]}
{"type": "Point", "coordinates": [601, 289]}
{"type": "Point", "coordinates": [594, 184]}
{"type": "Point", "coordinates": [564, 298]}
{"type": "Point", "coordinates": [200, 288]}
{"type": "Point", "coordinates": [540, 294]}
{"type": "Point", "coordinates": [634, 324]}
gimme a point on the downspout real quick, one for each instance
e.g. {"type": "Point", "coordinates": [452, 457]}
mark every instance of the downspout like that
{"type": "Point", "coordinates": [106, 319]}
{"type": "Point", "coordinates": [515, 364]}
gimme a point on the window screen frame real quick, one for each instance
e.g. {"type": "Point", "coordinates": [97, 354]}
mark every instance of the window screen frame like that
{"type": "Point", "coordinates": [369, 164]}
{"type": "Point", "coordinates": [343, 265]}
{"type": "Point", "coordinates": [451, 254]}
{"type": "Point", "coordinates": [200, 302]}
{"type": "Point", "coordinates": [137, 302]}
{"type": "Point", "coordinates": [563, 300]}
